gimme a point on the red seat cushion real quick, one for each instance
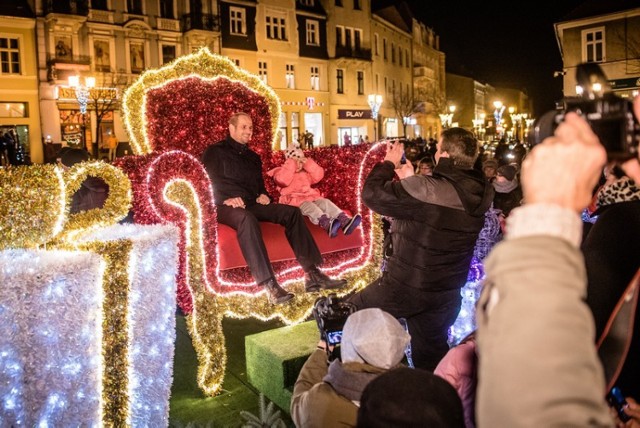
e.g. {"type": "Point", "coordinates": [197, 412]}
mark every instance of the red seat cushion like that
{"type": "Point", "coordinates": [277, 245]}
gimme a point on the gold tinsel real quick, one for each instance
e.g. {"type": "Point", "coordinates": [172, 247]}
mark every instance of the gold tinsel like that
{"type": "Point", "coordinates": [208, 66]}
{"type": "Point", "coordinates": [32, 205]}
{"type": "Point", "coordinates": [115, 208]}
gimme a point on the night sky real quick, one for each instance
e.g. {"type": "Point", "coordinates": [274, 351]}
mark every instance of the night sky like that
{"type": "Point", "coordinates": [505, 44]}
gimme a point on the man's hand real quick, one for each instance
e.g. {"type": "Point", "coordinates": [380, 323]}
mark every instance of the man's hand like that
{"type": "Point", "coordinates": [263, 199]}
{"type": "Point", "coordinates": [394, 153]}
{"type": "Point", "coordinates": [234, 203]}
{"type": "Point", "coordinates": [564, 168]}
{"type": "Point", "coordinates": [632, 167]}
{"type": "Point", "coordinates": [405, 170]}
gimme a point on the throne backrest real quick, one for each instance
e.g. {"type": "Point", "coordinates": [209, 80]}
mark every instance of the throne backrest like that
{"type": "Point", "coordinates": [186, 106]}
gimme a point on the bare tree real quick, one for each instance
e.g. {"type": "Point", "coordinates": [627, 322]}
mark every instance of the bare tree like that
{"type": "Point", "coordinates": [430, 99]}
{"type": "Point", "coordinates": [104, 98]}
{"type": "Point", "coordinates": [403, 105]}
{"type": "Point", "coordinates": [629, 43]}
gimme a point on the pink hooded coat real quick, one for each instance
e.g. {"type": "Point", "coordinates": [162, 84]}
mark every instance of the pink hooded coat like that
{"type": "Point", "coordinates": [295, 187]}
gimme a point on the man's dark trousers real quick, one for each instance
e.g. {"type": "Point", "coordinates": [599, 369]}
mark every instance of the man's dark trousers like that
{"type": "Point", "coordinates": [246, 223]}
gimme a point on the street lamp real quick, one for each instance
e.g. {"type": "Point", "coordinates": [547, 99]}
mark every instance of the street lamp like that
{"type": "Point", "coordinates": [375, 101]}
{"type": "Point", "coordinates": [517, 120]}
{"type": "Point", "coordinates": [447, 118]}
{"type": "Point", "coordinates": [497, 114]}
{"type": "Point", "coordinates": [478, 126]}
{"type": "Point", "coordinates": [82, 95]}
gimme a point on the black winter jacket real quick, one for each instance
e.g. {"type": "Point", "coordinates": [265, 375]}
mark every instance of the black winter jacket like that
{"type": "Point", "coordinates": [436, 222]}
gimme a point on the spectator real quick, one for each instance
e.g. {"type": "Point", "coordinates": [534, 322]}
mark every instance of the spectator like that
{"type": "Point", "coordinates": [538, 365]}
{"type": "Point", "coordinates": [372, 342]}
{"type": "Point", "coordinates": [410, 398]}
{"type": "Point", "coordinates": [490, 169]}
{"type": "Point", "coordinates": [436, 222]}
{"type": "Point", "coordinates": [425, 167]}
{"type": "Point", "coordinates": [508, 193]}
{"type": "Point", "coordinates": [93, 191]}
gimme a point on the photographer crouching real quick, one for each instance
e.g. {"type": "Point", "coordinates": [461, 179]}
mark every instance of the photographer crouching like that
{"type": "Point", "coordinates": [326, 394]}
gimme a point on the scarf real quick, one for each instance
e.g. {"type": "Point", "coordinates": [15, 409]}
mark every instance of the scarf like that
{"type": "Point", "coordinates": [505, 187]}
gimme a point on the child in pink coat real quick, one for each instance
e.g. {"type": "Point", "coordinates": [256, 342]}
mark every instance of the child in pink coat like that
{"type": "Point", "coordinates": [294, 180]}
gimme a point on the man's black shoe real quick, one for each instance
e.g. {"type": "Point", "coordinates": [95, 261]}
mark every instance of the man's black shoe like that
{"type": "Point", "coordinates": [275, 293]}
{"type": "Point", "coordinates": [314, 280]}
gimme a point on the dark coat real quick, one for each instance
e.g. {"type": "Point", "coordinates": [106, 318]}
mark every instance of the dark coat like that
{"type": "Point", "coordinates": [436, 222]}
{"type": "Point", "coordinates": [235, 171]}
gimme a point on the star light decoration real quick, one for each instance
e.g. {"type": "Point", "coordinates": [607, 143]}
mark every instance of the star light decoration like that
{"type": "Point", "coordinates": [87, 324]}
{"type": "Point", "coordinates": [172, 114]}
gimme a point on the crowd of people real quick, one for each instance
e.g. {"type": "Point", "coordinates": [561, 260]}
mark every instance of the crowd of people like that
{"type": "Point", "coordinates": [537, 357]}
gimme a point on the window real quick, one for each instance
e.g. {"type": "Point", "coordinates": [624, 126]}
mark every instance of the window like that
{"type": "Point", "coordinates": [593, 45]}
{"type": "Point", "coordinates": [136, 54]}
{"type": "Point", "coordinates": [236, 61]}
{"type": "Point", "coordinates": [339, 40]}
{"type": "Point", "coordinates": [339, 3]}
{"type": "Point", "coordinates": [375, 44]}
{"type": "Point", "coordinates": [357, 38]}
{"type": "Point", "coordinates": [400, 56]}
{"type": "Point", "coordinates": [406, 57]}
{"type": "Point", "coordinates": [360, 78]}
{"type": "Point", "coordinates": [348, 37]}
{"type": "Point", "coordinates": [385, 85]}
{"type": "Point", "coordinates": [340, 81]}
{"type": "Point", "coordinates": [377, 82]}
{"type": "Point", "coordinates": [393, 53]}
{"type": "Point", "coordinates": [102, 55]}
{"type": "Point", "coordinates": [276, 27]}
{"type": "Point", "coordinates": [99, 4]}
{"type": "Point", "coordinates": [384, 48]}
{"type": "Point", "coordinates": [291, 76]}
{"type": "Point", "coordinates": [262, 70]}
{"type": "Point", "coordinates": [237, 18]}
{"type": "Point", "coordinates": [315, 78]}
{"type": "Point", "coordinates": [9, 55]}
{"type": "Point", "coordinates": [313, 28]}
{"type": "Point", "coordinates": [295, 126]}
{"type": "Point", "coordinates": [168, 53]}
{"type": "Point", "coordinates": [356, 5]}
{"type": "Point", "coordinates": [14, 109]}
{"type": "Point", "coordinates": [282, 130]}
{"type": "Point", "coordinates": [134, 7]}
{"type": "Point", "coordinates": [166, 9]}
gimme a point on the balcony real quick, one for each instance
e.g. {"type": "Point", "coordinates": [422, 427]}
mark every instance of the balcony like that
{"type": "Point", "coordinates": [67, 7]}
{"type": "Point", "coordinates": [96, 15]}
{"type": "Point", "coordinates": [200, 21]}
{"type": "Point", "coordinates": [167, 24]}
{"type": "Point", "coordinates": [350, 52]}
{"type": "Point", "coordinates": [68, 59]}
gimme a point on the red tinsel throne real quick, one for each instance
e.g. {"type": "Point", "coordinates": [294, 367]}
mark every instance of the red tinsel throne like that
{"type": "Point", "coordinates": [172, 114]}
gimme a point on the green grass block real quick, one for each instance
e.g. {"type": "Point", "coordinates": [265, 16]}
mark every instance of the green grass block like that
{"type": "Point", "coordinates": [275, 357]}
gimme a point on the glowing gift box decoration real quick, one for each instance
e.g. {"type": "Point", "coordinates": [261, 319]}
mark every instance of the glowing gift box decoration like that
{"type": "Point", "coordinates": [172, 114]}
{"type": "Point", "coordinates": [50, 338]}
{"type": "Point", "coordinates": [135, 301]}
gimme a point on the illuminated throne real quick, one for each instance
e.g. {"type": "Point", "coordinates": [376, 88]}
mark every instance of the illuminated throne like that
{"type": "Point", "coordinates": [172, 114]}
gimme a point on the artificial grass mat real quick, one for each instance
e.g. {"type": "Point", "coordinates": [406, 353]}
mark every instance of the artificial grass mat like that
{"type": "Point", "coordinates": [189, 406]}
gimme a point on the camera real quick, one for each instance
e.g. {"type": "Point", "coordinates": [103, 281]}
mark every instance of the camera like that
{"type": "Point", "coordinates": [331, 313]}
{"type": "Point", "coordinates": [616, 399]}
{"type": "Point", "coordinates": [610, 117]}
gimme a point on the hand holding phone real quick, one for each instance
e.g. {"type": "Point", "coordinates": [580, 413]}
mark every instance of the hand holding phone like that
{"type": "Point", "coordinates": [616, 399]}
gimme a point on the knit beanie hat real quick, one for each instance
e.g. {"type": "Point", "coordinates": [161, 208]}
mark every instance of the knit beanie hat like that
{"type": "Point", "coordinates": [490, 163]}
{"type": "Point", "coordinates": [507, 171]}
{"type": "Point", "coordinates": [294, 152]}
{"type": "Point", "coordinates": [412, 398]}
{"type": "Point", "coordinates": [374, 337]}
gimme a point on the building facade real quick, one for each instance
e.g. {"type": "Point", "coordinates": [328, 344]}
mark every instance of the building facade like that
{"type": "Point", "coordinates": [19, 109]}
{"type": "Point", "coordinates": [606, 33]}
{"type": "Point", "coordinates": [324, 58]}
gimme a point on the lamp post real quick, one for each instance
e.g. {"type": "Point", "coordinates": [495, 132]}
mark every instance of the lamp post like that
{"type": "Point", "coordinates": [447, 118]}
{"type": "Point", "coordinates": [478, 126]}
{"type": "Point", "coordinates": [497, 114]}
{"type": "Point", "coordinates": [82, 95]}
{"type": "Point", "coordinates": [375, 101]}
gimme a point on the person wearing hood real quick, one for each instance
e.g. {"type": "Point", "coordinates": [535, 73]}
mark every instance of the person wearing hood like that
{"type": "Point", "coordinates": [328, 395]}
{"type": "Point", "coordinates": [437, 220]}
{"type": "Point", "coordinates": [508, 191]}
{"type": "Point", "coordinates": [93, 191]}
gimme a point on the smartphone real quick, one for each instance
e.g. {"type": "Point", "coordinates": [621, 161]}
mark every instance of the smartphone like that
{"type": "Point", "coordinates": [403, 159]}
{"type": "Point", "coordinates": [334, 337]}
{"type": "Point", "coordinates": [616, 399]}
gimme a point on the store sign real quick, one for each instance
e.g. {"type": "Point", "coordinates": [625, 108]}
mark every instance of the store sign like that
{"type": "Point", "coordinates": [631, 83]}
{"type": "Point", "coordinates": [354, 114]}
